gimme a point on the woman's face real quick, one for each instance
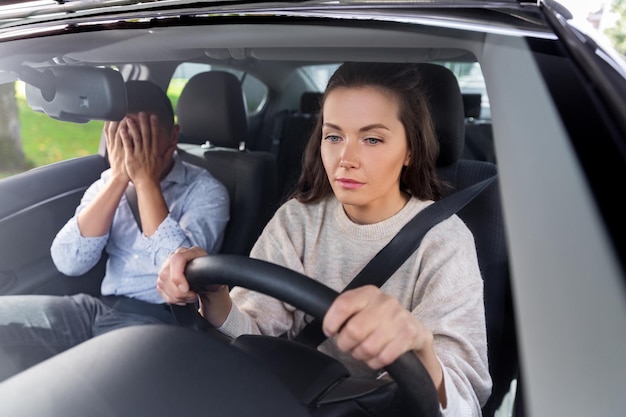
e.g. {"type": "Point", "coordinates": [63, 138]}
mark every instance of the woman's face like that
{"type": "Point", "coordinates": [364, 148]}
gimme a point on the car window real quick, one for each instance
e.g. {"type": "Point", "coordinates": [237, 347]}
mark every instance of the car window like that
{"type": "Point", "coordinates": [255, 91]}
{"type": "Point", "coordinates": [45, 140]}
{"type": "Point", "coordinates": [471, 81]}
{"type": "Point", "coordinates": [319, 74]}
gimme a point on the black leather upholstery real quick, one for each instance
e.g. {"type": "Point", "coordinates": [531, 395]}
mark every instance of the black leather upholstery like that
{"type": "Point", "coordinates": [478, 133]}
{"type": "Point", "coordinates": [484, 218]}
{"type": "Point", "coordinates": [211, 109]}
{"type": "Point", "coordinates": [295, 130]}
{"type": "Point", "coordinates": [310, 102]}
{"type": "Point", "coordinates": [472, 104]}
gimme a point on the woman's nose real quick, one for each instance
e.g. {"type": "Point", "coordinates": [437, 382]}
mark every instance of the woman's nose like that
{"type": "Point", "coordinates": [349, 156]}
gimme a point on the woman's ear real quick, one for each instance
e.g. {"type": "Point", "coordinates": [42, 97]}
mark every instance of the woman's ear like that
{"type": "Point", "coordinates": [407, 160]}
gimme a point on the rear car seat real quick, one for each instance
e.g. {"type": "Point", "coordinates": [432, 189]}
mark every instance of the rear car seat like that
{"type": "Point", "coordinates": [293, 133]}
{"type": "Point", "coordinates": [478, 132]}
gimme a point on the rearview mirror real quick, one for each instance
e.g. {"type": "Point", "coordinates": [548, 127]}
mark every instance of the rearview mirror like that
{"type": "Point", "coordinates": [76, 94]}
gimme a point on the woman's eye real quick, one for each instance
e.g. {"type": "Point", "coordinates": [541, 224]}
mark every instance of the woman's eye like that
{"type": "Point", "coordinates": [372, 141]}
{"type": "Point", "coordinates": [332, 138]}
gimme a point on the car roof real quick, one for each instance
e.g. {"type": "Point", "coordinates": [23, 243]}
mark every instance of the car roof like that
{"type": "Point", "coordinates": [17, 11]}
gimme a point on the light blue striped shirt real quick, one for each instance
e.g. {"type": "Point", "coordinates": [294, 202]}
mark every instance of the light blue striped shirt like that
{"type": "Point", "coordinates": [198, 213]}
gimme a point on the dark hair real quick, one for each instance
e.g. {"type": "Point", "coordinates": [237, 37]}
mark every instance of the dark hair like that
{"type": "Point", "coordinates": [419, 178]}
{"type": "Point", "coordinates": [148, 97]}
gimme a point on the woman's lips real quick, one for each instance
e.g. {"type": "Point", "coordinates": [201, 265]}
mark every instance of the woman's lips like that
{"type": "Point", "coordinates": [349, 183]}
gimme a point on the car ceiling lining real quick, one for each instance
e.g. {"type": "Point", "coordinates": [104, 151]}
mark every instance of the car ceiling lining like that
{"type": "Point", "coordinates": [240, 42]}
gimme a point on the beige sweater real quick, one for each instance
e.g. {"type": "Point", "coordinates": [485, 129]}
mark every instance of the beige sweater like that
{"type": "Point", "coordinates": [440, 284]}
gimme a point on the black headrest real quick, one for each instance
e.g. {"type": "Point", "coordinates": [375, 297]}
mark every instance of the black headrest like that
{"type": "Point", "coordinates": [211, 108]}
{"type": "Point", "coordinates": [310, 102]}
{"type": "Point", "coordinates": [472, 105]}
{"type": "Point", "coordinates": [446, 105]}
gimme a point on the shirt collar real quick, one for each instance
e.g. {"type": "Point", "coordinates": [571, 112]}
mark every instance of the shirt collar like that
{"type": "Point", "coordinates": [177, 173]}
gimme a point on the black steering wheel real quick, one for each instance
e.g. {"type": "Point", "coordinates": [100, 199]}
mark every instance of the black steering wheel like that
{"type": "Point", "coordinates": [313, 298]}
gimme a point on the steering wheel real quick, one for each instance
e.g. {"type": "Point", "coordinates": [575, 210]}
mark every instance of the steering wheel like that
{"type": "Point", "coordinates": [313, 298]}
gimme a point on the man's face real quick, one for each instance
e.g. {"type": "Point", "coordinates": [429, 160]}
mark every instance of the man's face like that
{"type": "Point", "coordinates": [150, 127]}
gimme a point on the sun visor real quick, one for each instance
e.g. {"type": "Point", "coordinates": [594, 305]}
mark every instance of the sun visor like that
{"type": "Point", "coordinates": [76, 94]}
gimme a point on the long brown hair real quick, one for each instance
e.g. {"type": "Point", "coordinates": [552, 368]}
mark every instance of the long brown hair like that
{"type": "Point", "coordinates": [419, 178]}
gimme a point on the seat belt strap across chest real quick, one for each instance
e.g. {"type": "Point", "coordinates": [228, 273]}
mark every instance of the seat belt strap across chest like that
{"type": "Point", "coordinates": [131, 198]}
{"type": "Point", "coordinates": [387, 261]}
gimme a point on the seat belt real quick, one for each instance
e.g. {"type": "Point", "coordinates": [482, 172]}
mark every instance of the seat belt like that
{"type": "Point", "coordinates": [387, 261]}
{"type": "Point", "coordinates": [131, 198]}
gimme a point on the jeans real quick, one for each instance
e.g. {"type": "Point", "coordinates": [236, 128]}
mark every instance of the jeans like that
{"type": "Point", "coordinates": [36, 327]}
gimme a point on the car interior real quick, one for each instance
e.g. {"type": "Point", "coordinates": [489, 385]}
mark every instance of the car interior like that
{"type": "Point", "coordinates": [522, 95]}
{"type": "Point", "coordinates": [257, 154]}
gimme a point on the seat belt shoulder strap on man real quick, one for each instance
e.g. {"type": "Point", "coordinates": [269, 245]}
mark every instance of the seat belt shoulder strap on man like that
{"type": "Point", "coordinates": [131, 198]}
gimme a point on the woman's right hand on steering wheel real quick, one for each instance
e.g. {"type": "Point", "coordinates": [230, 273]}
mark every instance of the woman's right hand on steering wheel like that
{"type": "Point", "coordinates": [215, 303]}
{"type": "Point", "coordinates": [171, 282]}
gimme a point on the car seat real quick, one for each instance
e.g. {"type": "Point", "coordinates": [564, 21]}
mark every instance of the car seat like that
{"type": "Point", "coordinates": [293, 132]}
{"type": "Point", "coordinates": [483, 216]}
{"type": "Point", "coordinates": [478, 133]}
{"type": "Point", "coordinates": [213, 130]}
